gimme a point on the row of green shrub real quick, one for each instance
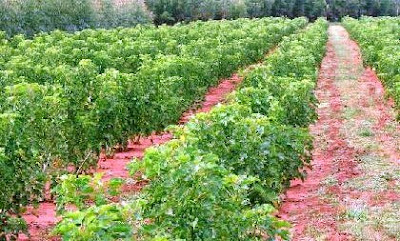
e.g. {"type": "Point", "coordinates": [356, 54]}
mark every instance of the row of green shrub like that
{"type": "Point", "coordinates": [59, 109]}
{"type": "Point", "coordinates": [33, 16]}
{"type": "Point", "coordinates": [219, 178]}
{"type": "Point", "coordinates": [379, 39]}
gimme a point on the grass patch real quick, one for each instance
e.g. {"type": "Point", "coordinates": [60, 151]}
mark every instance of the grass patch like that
{"type": "Point", "coordinates": [372, 222]}
{"type": "Point", "coordinates": [330, 181]}
{"type": "Point", "coordinates": [350, 113]}
{"type": "Point", "coordinates": [315, 233]}
{"type": "Point", "coordinates": [366, 132]}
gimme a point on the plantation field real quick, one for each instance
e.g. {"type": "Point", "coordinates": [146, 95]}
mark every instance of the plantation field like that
{"type": "Point", "coordinates": [222, 173]}
{"type": "Point", "coordinates": [247, 129]}
{"type": "Point", "coordinates": [65, 97]}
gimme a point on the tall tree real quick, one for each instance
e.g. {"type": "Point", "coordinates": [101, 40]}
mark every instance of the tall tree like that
{"type": "Point", "coordinates": [298, 8]}
{"type": "Point", "coordinates": [315, 8]}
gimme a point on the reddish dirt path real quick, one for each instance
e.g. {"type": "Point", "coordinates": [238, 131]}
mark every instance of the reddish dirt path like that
{"type": "Point", "coordinates": [42, 219]}
{"type": "Point", "coordinates": [353, 190]}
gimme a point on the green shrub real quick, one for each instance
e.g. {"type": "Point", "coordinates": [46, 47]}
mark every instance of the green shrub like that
{"type": "Point", "coordinates": [248, 144]}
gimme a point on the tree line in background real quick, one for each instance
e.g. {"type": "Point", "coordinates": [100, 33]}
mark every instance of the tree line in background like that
{"type": "Point", "coordinates": [171, 11]}
{"type": "Point", "coordinates": [32, 16]}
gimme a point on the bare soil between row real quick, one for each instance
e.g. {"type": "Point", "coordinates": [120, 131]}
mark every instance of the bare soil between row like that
{"type": "Point", "coordinates": [353, 185]}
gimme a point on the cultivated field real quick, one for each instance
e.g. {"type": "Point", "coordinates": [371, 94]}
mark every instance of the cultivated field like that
{"type": "Point", "coordinates": [247, 129]}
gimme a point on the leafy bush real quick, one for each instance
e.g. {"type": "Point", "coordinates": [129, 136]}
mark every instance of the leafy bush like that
{"type": "Point", "coordinates": [107, 222]}
{"type": "Point", "coordinates": [282, 99]}
{"type": "Point", "coordinates": [193, 197]}
{"type": "Point", "coordinates": [251, 145]}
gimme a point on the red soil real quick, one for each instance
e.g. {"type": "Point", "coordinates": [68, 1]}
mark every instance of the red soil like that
{"type": "Point", "coordinates": [301, 201]}
{"type": "Point", "coordinates": [384, 114]}
{"type": "Point", "coordinates": [333, 154]}
{"type": "Point", "coordinates": [41, 220]}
